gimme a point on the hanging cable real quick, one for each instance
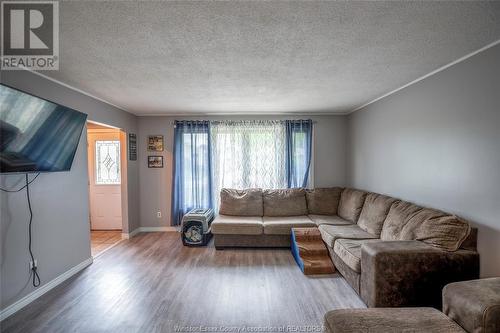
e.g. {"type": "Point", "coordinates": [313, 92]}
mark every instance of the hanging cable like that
{"type": "Point", "coordinates": [22, 188]}
{"type": "Point", "coordinates": [34, 266]}
{"type": "Point", "coordinates": [36, 277]}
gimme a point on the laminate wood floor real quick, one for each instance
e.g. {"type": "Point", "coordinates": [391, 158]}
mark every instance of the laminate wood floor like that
{"type": "Point", "coordinates": [151, 283]}
{"type": "Point", "coordinates": [101, 240]}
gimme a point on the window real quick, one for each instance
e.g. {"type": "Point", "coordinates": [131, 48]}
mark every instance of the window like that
{"type": "Point", "coordinates": [107, 162]}
{"type": "Point", "coordinates": [248, 155]}
{"type": "Point", "coordinates": [260, 154]}
{"type": "Point", "coordinates": [209, 156]}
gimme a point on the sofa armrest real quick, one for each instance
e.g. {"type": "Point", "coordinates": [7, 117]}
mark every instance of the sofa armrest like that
{"type": "Point", "coordinates": [411, 273]}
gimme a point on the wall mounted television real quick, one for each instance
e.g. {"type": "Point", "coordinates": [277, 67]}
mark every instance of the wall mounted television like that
{"type": "Point", "coordinates": [36, 135]}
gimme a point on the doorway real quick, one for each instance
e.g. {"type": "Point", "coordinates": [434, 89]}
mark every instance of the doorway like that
{"type": "Point", "coordinates": [106, 164]}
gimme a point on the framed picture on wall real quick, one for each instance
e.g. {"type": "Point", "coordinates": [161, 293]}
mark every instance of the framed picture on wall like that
{"type": "Point", "coordinates": [155, 161]}
{"type": "Point", "coordinates": [132, 146]}
{"type": "Point", "coordinates": [155, 142]}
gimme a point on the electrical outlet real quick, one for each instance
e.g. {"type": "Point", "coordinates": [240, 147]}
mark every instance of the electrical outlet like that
{"type": "Point", "coordinates": [158, 214]}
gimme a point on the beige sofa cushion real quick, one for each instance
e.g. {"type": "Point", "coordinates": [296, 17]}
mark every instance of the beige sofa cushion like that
{"type": "Point", "coordinates": [374, 212]}
{"type": "Point", "coordinates": [237, 225]}
{"type": "Point", "coordinates": [328, 219]}
{"type": "Point", "coordinates": [349, 250]}
{"type": "Point", "coordinates": [285, 202]}
{"type": "Point", "coordinates": [414, 221]}
{"type": "Point", "coordinates": [282, 225]}
{"type": "Point", "coordinates": [398, 215]}
{"type": "Point", "coordinates": [351, 203]}
{"type": "Point", "coordinates": [406, 221]}
{"type": "Point", "coordinates": [445, 232]}
{"type": "Point", "coordinates": [323, 201]}
{"type": "Point", "coordinates": [246, 202]}
{"type": "Point", "coordinates": [330, 233]}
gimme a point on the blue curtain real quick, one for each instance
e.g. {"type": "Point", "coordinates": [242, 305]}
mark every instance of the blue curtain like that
{"type": "Point", "coordinates": [298, 151]}
{"type": "Point", "coordinates": [192, 168]}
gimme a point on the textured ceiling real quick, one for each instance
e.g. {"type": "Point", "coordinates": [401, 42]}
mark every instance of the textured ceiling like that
{"type": "Point", "coordinates": [261, 57]}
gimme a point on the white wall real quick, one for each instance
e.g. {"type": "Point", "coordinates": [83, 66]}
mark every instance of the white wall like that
{"type": "Point", "coordinates": [156, 184]}
{"type": "Point", "coordinates": [60, 200]}
{"type": "Point", "coordinates": [437, 143]}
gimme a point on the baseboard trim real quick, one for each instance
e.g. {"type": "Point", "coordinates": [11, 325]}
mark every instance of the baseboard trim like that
{"type": "Point", "coordinates": [130, 234]}
{"type": "Point", "coordinates": [149, 229]}
{"type": "Point", "coordinates": [157, 229]}
{"type": "Point", "coordinates": [13, 308]}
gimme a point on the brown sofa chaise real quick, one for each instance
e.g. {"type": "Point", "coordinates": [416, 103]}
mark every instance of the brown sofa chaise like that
{"type": "Point", "coordinates": [391, 252]}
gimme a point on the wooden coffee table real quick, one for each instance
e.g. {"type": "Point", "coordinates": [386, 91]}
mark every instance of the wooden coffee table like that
{"type": "Point", "coordinates": [310, 252]}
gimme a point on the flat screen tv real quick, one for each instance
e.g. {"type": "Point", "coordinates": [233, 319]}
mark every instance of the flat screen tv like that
{"type": "Point", "coordinates": [36, 135]}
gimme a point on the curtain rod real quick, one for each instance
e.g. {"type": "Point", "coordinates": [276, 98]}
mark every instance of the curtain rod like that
{"type": "Point", "coordinates": [256, 121]}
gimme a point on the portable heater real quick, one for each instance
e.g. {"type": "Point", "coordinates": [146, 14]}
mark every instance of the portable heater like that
{"type": "Point", "coordinates": [195, 227]}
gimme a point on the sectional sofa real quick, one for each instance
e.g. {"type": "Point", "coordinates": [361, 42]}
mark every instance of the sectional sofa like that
{"type": "Point", "coordinates": [391, 252]}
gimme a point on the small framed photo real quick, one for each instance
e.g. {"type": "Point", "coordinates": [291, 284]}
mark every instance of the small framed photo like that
{"type": "Point", "coordinates": [155, 161]}
{"type": "Point", "coordinates": [132, 146]}
{"type": "Point", "coordinates": [155, 142]}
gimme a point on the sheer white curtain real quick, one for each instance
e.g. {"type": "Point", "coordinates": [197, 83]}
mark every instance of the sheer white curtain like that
{"type": "Point", "coordinates": [248, 154]}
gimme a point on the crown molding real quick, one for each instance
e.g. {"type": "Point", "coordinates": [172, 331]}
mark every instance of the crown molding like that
{"type": "Point", "coordinates": [187, 114]}
{"type": "Point", "coordinates": [467, 56]}
{"type": "Point", "coordinates": [208, 114]}
{"type": "Point", "coordinates": [79, 90]}
{"type": "Point", "coordinates": [250, 114]}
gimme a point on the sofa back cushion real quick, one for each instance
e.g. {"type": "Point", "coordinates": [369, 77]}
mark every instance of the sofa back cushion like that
{"type": "Point", "coordinates": [414, 221]}
{"type": "Point", "coordinates": [285, 202]}
{"type": "Point", "coordinates": [436, 228]}
{"type": "Point", "coordinates": [323, 201]}
{"type": "Point", "coordinates": [445, 232]}
{"type": "Point", "coordinates": [398, 215]}
{"type": "Point", "coordinates": [351, 203]}
{"type": "Point", "coordinates": [246, 202]}
{"type": "Point", "coordinates": [407, 221]}
{"type": "Point", "coordinates": [374, 212]}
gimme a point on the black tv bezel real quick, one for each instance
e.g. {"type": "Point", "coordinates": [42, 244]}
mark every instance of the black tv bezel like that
{"type": "Point", "coordinates": [79, 137]}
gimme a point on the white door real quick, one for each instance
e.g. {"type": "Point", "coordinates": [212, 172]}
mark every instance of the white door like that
{"type": "Point", "coordinates": [105, 180]}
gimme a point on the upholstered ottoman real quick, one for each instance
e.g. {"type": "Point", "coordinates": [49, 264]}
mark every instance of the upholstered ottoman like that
{"type": "Point", "coordinates": [389, 320]}
{"type": "Point", "coordinates": [475, 305]}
